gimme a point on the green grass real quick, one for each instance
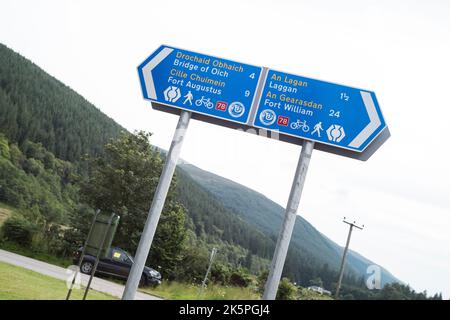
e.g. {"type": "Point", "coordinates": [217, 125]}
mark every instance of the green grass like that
{"type": "Point", "coordinates": [33, 253]}
{"type": "Point", "coordinates": [18, 283]}
{"type": "Point", "coordinates": [305, 294]}
{"type": "Point", "coordinates": [182, 291]}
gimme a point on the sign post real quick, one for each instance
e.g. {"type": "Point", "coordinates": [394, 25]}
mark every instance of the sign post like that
{"type": "Point", "coordinates": [101, 250]}
{"type": "Point", "coordinates": [157, 205]}
{"type": "Point", "coordinates": [284, 237]}
{"type": "Point", "coordinates": [314, 114]}
{"type": "Point", "coordinates": [83, 251]}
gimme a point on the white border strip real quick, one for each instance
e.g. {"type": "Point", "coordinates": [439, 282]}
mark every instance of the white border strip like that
{"type": "Point", "coordinates": [373, 124]}
{"type": "Point", "coordinates": [147, 72]}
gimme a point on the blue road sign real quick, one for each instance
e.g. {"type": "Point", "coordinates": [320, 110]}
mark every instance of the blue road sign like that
{"type": "Point", "coordinates": [199, 83]}
{"type": "Point", "coordinates": [342, 120]}
{"type": "Point", "coordinates": [320, 111]}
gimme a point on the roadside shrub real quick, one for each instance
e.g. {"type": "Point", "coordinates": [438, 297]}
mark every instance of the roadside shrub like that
{"type": "Point", "coordinates": [240, 278]}
{"type": "Point", "coordinates": [286, 290]}
{"type": "Point", "coordinates": [220, 273]}
{"type": "Point", "coordinates": [262, 278]}
{"type": "Point", "coordinates": [18, 230]}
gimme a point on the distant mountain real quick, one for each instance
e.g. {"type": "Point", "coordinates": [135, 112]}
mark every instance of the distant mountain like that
{"type": "Point", "coordinates": [37, 107]}
{"type": "Point", "coordinates": [266, 215]}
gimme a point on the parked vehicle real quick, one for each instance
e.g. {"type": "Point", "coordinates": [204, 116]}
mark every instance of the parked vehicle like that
{"type": "Point", "coordinates": [117, 263]}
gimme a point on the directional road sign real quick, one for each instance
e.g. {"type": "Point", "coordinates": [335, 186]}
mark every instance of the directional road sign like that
{"type": "Point", "coordinates": [342, 120]}
{"type": "Point", "coordinates": [199, 83]}
{"type": "Point", "coordinates": [320, 111]}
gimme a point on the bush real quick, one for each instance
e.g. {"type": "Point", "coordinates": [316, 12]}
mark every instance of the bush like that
{"type": "Point", "coordinates": [262, 278]}
{"type": "Point", "coordinates": [240, 278]}
{"type": "Point", "coordinates": [286, 290]}
{"type": "Point", "coordinates": [19, 230]}
{"type": "Point", "coordinates": [220, 273]}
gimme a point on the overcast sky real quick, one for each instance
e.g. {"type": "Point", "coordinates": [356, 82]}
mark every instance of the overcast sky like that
{"type": "Point", "coordinates": [398, 49]}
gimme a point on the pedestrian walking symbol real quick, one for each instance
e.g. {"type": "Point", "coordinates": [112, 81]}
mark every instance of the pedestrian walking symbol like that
{"type": "Point", "coordinates": [317, 129]}
{"type": "Point", "coordinates": [188, 97]}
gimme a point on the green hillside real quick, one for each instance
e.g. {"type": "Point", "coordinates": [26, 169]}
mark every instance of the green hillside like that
{"type": "Point", "coordinates": [48, 127]}
{"type": "Point", "coordinates": [266, 215]}
{"type": "Point", "coordinates": [37, 107]}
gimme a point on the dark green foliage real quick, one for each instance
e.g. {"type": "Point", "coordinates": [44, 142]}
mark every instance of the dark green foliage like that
{"type": "Point", "coordinates": [35, 106]}
{"type": "Point", "coordinates": [193, 265]}
{"type": "Point", "coordinates": [45, 121]}
{"type": "Point", "coordinates": [286, 290]}
{"type": "Point", "coordinates": [391, 291]}
{"type": "Point", "coordinates": [310, 253]}
{"type": "Point", "coordinates": [397, 291]}
{"type": "Point", "coordinates": [220, 273]}
{"type": "Point", "coordinates": [240, 278]}
{"type": "Point", "coordinates": [316, 282]}
{"type": "Point", "coordinates": [262, 277]}
{"type": "Point", "coordinates": [123, 180]}
{"type": "Point", "coordinates": [79, 220]}
{"type": "Point", "coordinates": [44, 192]}
{"type": "Point", "coordinates": [213, 220]}
{"type": "Point", "coordinates": [18, 230]}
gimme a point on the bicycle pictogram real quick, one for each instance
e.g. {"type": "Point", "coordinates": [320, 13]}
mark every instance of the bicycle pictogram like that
{"type": "Point", "coordinates": [300, 125]}
{"type": "Point", "coordinates": [205, 102]}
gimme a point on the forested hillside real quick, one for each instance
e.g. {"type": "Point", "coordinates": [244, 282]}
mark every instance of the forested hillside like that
{"type": "Point", "coordinates": [37, 107]}
{"type": "Point", "coordinates": [309, 248]}
{"type": "Point", "coordinates": [48, 127]}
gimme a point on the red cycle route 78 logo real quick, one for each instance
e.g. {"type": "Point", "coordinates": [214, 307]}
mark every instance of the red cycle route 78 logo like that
{"type": "Point", "coordinates": [222, 106]}
{"type": "Point", "coordinates": [283, 121]}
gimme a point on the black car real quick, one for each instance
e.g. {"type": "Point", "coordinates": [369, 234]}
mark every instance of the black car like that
{"type": "Point", "coordinates": [117, 263]}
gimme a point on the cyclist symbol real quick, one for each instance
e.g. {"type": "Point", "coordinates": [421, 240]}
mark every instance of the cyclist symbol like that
{"type": "Point", "coordinates": [203, 101]}
{"type": "Point", "coordinates": [300, 125]}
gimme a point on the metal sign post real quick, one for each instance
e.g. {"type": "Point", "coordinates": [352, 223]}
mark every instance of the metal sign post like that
{"type": "Point", "coordinates": [157, 205]}
{"type": "Point", "coordinates": [342, 120]}
{"type": "Point", "coordinates": [344, 255]}
{"type": "Point", "coordinates": [97, 258]}
{"type": "Point", "coordinates": [285, 234]}
{"type": "Point", "coordinates": [211, 260]}
{"type": "Point", "coordinates": [82, 255]}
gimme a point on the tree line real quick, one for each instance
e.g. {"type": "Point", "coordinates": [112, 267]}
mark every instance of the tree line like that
{"type": "Point", "coordinates": [61, 159]}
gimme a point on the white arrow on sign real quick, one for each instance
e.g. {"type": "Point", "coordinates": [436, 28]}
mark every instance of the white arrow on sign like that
{"type": "Point", "coordinates": [373, 124]}
{"type": "Point", "coordinates": [147, 71]}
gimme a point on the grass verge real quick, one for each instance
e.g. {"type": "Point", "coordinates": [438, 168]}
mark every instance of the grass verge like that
{"type": "Point", "coordinates": [182, 291]}
{"type": "Point", "coordinates": [17, 283]}
{"type": "Point", "coordinates": [32, 253]}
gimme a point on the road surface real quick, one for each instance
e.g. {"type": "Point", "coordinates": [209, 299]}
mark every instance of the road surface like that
{"type": "Point", "coordinates": [60, 273]}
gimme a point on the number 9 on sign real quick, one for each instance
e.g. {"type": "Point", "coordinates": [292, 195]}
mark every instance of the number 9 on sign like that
{"type": "Point", "coordinates": [247, 93]}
